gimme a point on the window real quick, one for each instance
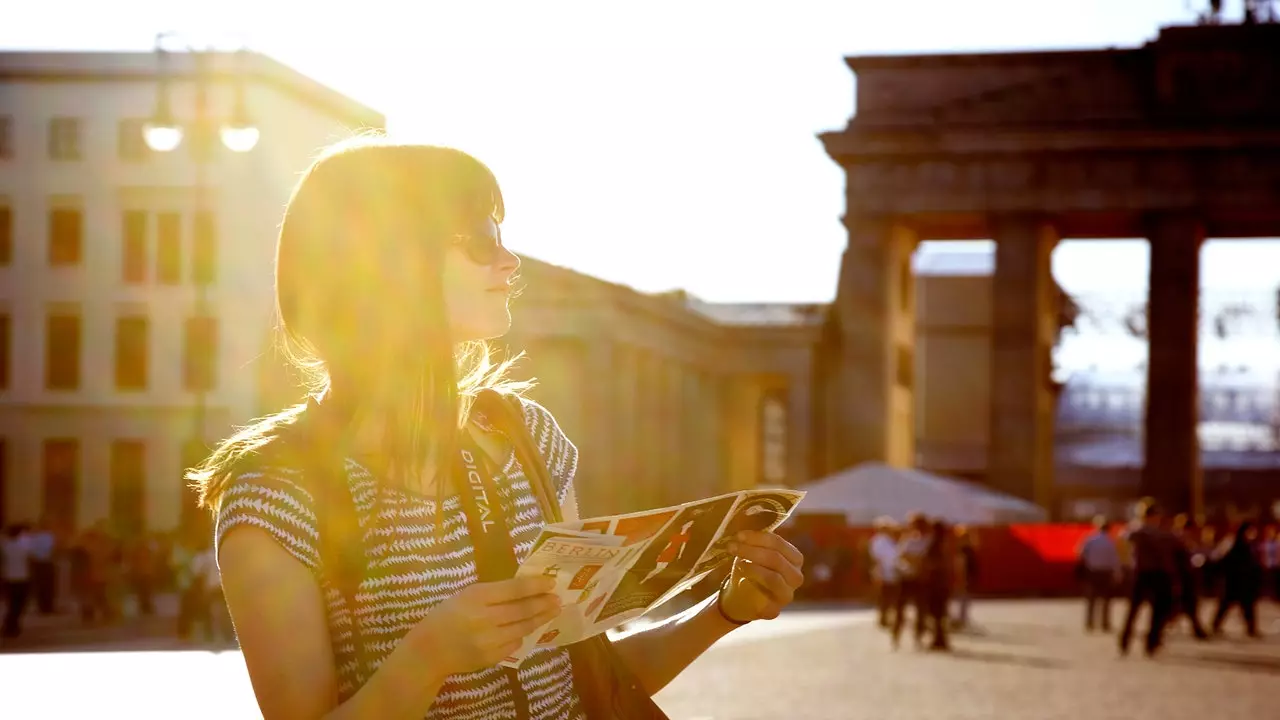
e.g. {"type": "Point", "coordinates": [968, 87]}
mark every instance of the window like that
{"type": "Point", "coordinates": [204, 251]}
{"type": "Point", "coordinates": [773, 437]}
{"type": "Point", "coordinates": [61, 460]}
{"type": "Point", "coordinates": [133, 245]}
{"type": "Point", "coordinates": [128, 487]}
{"type": "Point", "coordinates": [6, 327]}
{"type": "Point", "coordinates": [169, 248]}
{"type": "Point", "coordinates": [64, 138]}
{"type": "Point", "coordinates": [62, 352]}
{"type": "Point", "coordinates": [6, 137]}
{"type": "Point", "coordinates": [65, 228]}
{"type": "Point", "coordinates": [200, 358]}
{"type": "Point", "coordinates": [131, 353]}
{"type": "Point", "coordinates": [6, 235]}
{"type": "Point", "coordinates": [131, 145]}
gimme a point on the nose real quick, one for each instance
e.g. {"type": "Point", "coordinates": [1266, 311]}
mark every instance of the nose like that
{"type": "Point", "coordinates": [508, 262]}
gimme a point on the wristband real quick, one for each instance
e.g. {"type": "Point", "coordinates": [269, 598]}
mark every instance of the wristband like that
{"type": "Point", "coordinates": [720, 606]}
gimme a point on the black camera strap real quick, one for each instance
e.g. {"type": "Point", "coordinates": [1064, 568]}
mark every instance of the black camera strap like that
{"type": "Point", "coordinates": [495, 557]}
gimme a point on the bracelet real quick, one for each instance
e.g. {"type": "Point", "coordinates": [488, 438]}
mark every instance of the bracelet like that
{"type": "Point", "coordinates": [720, 605]}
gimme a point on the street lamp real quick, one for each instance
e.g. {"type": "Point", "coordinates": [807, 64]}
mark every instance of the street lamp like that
{"type": "Point", "coordinates": [163, 134]}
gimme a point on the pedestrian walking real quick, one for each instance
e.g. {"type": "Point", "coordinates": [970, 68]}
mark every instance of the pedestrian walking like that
{"type": "Point", "coordinates": [1098, 561]}
{"type": "Point", "coordinates": [1241, 580]}
{"type": "Point", "coordinates": [15, 577]}
{"type": "Point", "coordinates": [1155, 568]}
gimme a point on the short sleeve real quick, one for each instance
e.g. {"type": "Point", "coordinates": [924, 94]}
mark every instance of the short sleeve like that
{"type": "Point", "coordinates": [267, 499]}
{"type": "Point", "coordinates": [560, 453]}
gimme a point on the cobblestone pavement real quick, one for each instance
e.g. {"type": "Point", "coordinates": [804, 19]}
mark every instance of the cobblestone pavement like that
{"type": "Point", "coordinates": [1030, 661]}
{"type": "Point", "coordinates": [1027, 661]}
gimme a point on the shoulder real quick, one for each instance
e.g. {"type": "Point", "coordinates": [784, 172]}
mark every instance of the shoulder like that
{"type": "Point", "coordinates": [273, 499]}
{"type": "Point", "coordinates": [559, 452]}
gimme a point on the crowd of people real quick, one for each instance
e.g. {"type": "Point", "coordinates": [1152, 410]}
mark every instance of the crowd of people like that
{"type": "Point", "coordinates": [926, 565]}
{"type": "Point", "coordinates": [99, 578]}
{"type": "Point", "coordinates": [1169, 565]}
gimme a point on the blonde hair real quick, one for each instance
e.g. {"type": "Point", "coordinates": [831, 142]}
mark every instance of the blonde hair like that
{"type": "Point", "coordinates": [359, 306]}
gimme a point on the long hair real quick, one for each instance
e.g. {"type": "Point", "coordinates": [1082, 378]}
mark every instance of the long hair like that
{"type": "Point", "coordinates": [360, 310]}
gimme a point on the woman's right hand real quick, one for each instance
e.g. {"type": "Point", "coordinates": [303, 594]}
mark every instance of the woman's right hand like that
{"type": "Point", "coordinates": [485, 622]}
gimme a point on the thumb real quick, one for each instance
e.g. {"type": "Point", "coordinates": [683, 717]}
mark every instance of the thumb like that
{"type": "Point", "coordinates": [745, 593]}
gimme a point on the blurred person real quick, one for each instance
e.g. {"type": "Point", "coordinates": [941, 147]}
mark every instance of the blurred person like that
{"type": "Point", "coordinates": [1100, 570]}
{"type": "Point", "coordinates": [1124, 548]}
{"type": "Point", "coordinates": [78, 572]}
{"type": "Point", "coordinates": [1269, 549]}
{"type": "Point", "coordinates": [140, 563]}
{"type": "Point", "coordinates": [912, 546]}
{"type": "Point", "coordinates": [937, 574]}
{"type": "Point", "coordinates": [1208, 562]}
{"type": "Point", "coordinates": [15, 575]}
{"type": "Point", "coordinates": [1154, 573]}
{"type": "Point", "coordinates": [390, 271]}
{"type": "Point", "coordinates": [99, 573]}
{"type": "Point", "coordinates": [1241, 579]}
{"type": "Point", "coordinates": [883, 554]}
{"type": "Point", "coordinates": [203, 595]}
{"type": "Point", "coordinates": [189, 585]}
{"type": "Point", "coordinates": [966, 573]}
{"type": "Point", "coordinates": [44, 570]}
{"type": "Point", "coordinates": [1187, 593]}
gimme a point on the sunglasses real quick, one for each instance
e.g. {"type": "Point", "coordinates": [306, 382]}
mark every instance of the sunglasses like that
{"type": "Point", "coordinates": [481, 248]}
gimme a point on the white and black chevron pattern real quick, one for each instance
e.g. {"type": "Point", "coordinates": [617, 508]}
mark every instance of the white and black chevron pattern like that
{"type": "Point", "coordinates": [411, 570]}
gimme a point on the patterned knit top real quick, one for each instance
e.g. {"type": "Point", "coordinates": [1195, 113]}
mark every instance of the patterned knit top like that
{"type": "Point", "coordinates": [411, 569]}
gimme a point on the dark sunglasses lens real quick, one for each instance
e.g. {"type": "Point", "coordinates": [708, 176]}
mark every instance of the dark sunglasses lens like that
{"type": "Point", "coordinates": [482, 249]}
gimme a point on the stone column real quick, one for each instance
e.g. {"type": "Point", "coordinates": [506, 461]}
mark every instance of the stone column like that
{"type": "Point", "coordinates": [672, 429]}
{"type": "Point", "coordinates": [598, 470]}
{"type": "Point", "coordinates": [1020, 445]}
{"type": "Point", "coordinates": [647, 485]}
{"type": "Point", "coordinates": [1171, 473]}
{"type": "Point", "coordinates": [627, 419]}
{"type": "Point", "coordinates": [870, 406]}
{"type": "Point", "coordinates": [799, 431]}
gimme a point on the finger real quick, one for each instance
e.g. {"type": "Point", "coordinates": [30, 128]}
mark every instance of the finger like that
{"type": "Point", "coordinates": [771, 582]}
{"type": "Point", "coordinates": [771, 541]}
{"type": "Point", "coordinates": [516, 632]}
{"type": "Point", "coordinates": [771, 559]}
{"type": "Point", "coordinates": [520, 610]}
{"type": "Point", "coordinates": [503, 591]}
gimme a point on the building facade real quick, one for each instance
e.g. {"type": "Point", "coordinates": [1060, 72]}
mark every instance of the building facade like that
{"type": "Point", "coordinates": [102, 243]}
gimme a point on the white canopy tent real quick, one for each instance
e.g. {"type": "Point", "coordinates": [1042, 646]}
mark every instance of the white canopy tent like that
{"type": "Point", "coordinates": [873, 490]}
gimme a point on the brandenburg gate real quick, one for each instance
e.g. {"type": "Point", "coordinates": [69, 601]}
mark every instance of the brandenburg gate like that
{"type": "Point", "coordinates": [1174, 141]}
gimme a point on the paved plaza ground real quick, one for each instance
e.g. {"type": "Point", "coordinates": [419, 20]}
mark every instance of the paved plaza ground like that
{"type": "Point", "coordinates": [1030, 661]}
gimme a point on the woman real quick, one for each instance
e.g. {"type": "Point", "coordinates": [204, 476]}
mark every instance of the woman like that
{"type": "Point", "coordinates": [390, 271]}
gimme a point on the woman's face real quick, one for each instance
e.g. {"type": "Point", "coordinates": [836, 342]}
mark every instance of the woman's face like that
{"type": "Point", "coordinates": [476, 294]}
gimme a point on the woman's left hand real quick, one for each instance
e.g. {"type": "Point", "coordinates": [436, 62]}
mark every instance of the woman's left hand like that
{"type": "Point", "coordinates": [766, 573]}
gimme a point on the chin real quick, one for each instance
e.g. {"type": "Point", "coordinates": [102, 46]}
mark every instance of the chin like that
{"type": "Point", "coordinates": [490, 330]}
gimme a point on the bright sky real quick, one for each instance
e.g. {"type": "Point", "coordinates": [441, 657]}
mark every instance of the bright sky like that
{"type": "Point", "coordinates": [668, 145]}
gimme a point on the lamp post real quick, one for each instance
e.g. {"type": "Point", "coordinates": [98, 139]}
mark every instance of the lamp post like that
{"type": "Point", "coordinates": [164, 134]}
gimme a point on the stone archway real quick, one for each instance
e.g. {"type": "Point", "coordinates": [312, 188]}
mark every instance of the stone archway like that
{"type": "Point", "coordinates": [1171, 141]}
